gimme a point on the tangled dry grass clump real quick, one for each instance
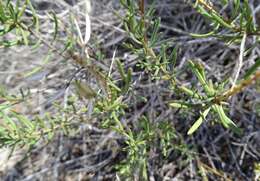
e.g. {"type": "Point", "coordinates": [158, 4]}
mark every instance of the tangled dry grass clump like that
{"type": "Point", "coordinates": [115, 117]}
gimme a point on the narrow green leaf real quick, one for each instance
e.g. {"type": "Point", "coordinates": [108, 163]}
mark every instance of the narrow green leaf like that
{"type": "Point", "coordinates": [35, 17]}
{"type": "Point", "coordinates": [224, 2]}
{"type": "Point", "coordinates": [121, 70]}
{"type": "Point", "coordinates": [129, 76]}
{"type": "Point", "coordinates": [221, 21]}
{"type": "Point", "coordinates": [25, 36]}
{"type": "Point", "coordinates": [127, 81]}
{"type": "Point", "coordinates": [198, 70]}
{"type": "Point", "coordinates": [9, 122]}
{"type": "Point", "coordinates": [226, 121]}
{"type": "Point", "coordinates": [173, 56]}
{"type": "Point", "coordinates": [22, 10]}
{"type": "Point", "coordinates": [252, 69]}
{"type": "Point", "coordinates": [190, 92]}
{"type": "Point", "coordinates": [12, 12]}
{"type": "Point", "coordinates": [25, 121]}
{"type": "Point", "coordinates": [9, 43]}
{"type": "Point", "coordinates": [203, 11]}
{"type": "Point", "coordinates": [3, 17]}
{"type": "Point", "coordinates": [178, 105]}
{"type": "Point", "coordinates": [154, 36]}
{"type": "Point", "coordinates": [197, 124]}
{"type": "Point", "coordinates": [56, 25]}
{"type": "Point", "coordinates": [235, 12]}
{"type": "Point", "coordinates": [205, 35]}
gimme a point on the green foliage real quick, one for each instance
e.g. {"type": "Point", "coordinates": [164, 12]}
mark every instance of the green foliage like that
{"type": "Point", "coordinates": [110, 105]}
{"type": "Point", "coordinates": [18, 130]}
{"type": "Point", "coordinates": [206, 101]}
{"type": "Point", "coordinates": [252, 69]}
{"type": "Point", "coordinates": [140, 143]}
{"type": "Point", "coordinates": [145, 34]}
{"type": "Point", "coordinates": [125, 76]}
{"type": "Point", "coordinates": [11, 18]}
{"type": "Point", "coordinates": [239, 22]}
{"type": "Point", "coordinates": [236, 28]}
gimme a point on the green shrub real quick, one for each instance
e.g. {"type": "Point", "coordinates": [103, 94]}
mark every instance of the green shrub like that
{"type": "Point", "coordinates": [110, 106]}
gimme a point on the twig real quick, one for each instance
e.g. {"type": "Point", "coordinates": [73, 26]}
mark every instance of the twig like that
{"type": "Point", "coordinates": [240, 60]}
{"type": "Point", "coordinates": [112, 63]}
{"type": "Point", "coordinates": [87, 21]}
{"type": "Point", "coordinates": [237, 88]}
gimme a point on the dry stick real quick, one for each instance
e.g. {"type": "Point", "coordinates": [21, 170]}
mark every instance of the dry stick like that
{"type": "Point", "coordinates": [79, 32]}
{"type": "Point", "coordinates": [112, 63]}
{"type": "Point", "coordinates": [238, 88]}
{"type": "Point", "coordinates": [240, 60]}
{"type": "Point", "coordinates": [145, 43]}
{"type": "Point", "coordinates": [238, 68]}
{"type": "Point", "coordinates": [87, 22]}
{"type": "Point", "coordinates": [207, 5]}
{"type": "Point", "coordinates": [214, 171]}
{"type": "Point", "coordinates": [142, 10]}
